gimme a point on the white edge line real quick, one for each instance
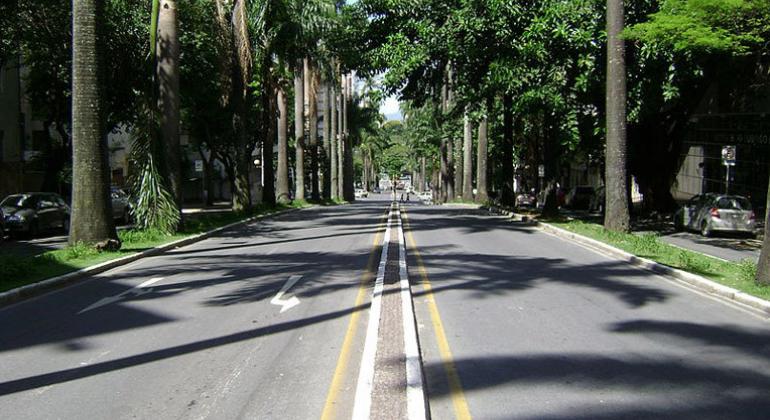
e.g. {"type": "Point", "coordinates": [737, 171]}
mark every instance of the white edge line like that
{"type": "Point", "coordinates": [415, 394]}
{"type": "Point", "coordinates": [363, 402]}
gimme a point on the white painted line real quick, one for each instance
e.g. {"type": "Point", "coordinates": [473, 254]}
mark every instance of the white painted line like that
{"type": "Point", "coordinates": [134, 291]}
{"type": "Point", "coordinates": [415, 394]}
{"type": "Point", "coordinates": [363, 402]}
{"type": "Point", "coordinates": [289, 303]}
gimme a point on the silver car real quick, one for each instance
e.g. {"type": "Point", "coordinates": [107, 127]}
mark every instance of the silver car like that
{"type": "Point", "coordinates": [709, 213]}
{"type": "Point", "coordinates": [121, 207]}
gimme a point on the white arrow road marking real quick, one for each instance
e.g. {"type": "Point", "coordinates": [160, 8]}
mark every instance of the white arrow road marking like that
{"type": "Point", "coordinates": [134, 292]}
{"type": "Point", "coordinates": [288, 303]}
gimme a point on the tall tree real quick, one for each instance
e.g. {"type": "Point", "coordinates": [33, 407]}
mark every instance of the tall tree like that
{"type": "Point", "coordinates": [167, 74]}
{"type": "Point", "coordinates": [467, 157]}
{"type": "Point", "coordinates": [616, 214]}
{"type": "Point", "coordinates": [334, 142]}
{"type": "Point", "coordinates": [311, 92]}
{"type": "Point", "coordinates": [482, 194]}
{"type": "Point", "coordinates": [91, 220]}
{"type": "Point", "coordinates": [282, 176]}
{"type": "Point", "coordinates": [299, 131]}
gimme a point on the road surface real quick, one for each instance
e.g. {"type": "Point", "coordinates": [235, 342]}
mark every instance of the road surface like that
{"type": "Point", "coordinates": [271, 320]}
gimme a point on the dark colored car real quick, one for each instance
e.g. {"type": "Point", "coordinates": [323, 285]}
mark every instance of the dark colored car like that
{"type": "Point", "coordinates": [579, 198]}
{"type": "Point", "coordinates": [32, 213]}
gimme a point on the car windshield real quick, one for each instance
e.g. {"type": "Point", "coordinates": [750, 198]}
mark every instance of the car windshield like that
{"type": "Point", "coordinates": [733, 203]}
{"type": "Point", "coordinates": [17, 201]}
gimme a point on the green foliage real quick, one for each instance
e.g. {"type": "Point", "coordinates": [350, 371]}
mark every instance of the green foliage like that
{"type": "Point", "coordinates": [748, 270]}
{"type": "Point", "coordinates": [729, 26]}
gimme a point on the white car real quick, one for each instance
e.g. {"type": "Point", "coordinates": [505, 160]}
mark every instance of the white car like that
{"type": "Point", "coordinates": [360, 193]}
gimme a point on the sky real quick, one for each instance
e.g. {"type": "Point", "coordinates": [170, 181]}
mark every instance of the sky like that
{"type": "Point", "coordinates": [390, 109]}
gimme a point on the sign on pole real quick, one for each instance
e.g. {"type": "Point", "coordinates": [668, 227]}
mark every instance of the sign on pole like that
{"type": "Point", "coordinates": [198, 166]}
{"type": "Point", "coordinates": [728, 155]}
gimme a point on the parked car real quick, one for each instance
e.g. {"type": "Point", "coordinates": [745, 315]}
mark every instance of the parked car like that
{"type": "Point", "coordinates": [709, 213]}
{"type": "Point", "coordinates": [579, 198]}
{"type": "Point", "coordinates": [426, 196]}
{"type": "Point", "coordinates": [361, 193]}
{"type": "Point", "coordinates": [32, 213]}
{"type": "Point", "coordinates": [121, 208]}
{"type": "Point", "coordinates": [525, 200]}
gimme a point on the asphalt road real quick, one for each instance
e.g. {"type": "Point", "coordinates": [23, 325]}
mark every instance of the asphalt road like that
{"type": "Point", "coordinates": [198, 332]}
{"type": "Point", "coordinates": [540, 328]}
{"type": "Point", "coordinates": [268, 321]}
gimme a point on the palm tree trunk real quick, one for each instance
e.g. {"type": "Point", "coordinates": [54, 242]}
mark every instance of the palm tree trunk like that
{"type": "Point", "coordinates": [341, 142]}
{"type": "Point", "coordinates": [168, 95]}
{"type": "Point", "coordinates": [506, 196]}
{"type": "Point", "coordinates": [616, 215]}
{"type": "Point", "coordinates": [91, 220]}
{"type": "Point", "coordinates": [326, 161]}
{"type": "Point", "coordinates": [334, 142]}
{"type": "Point", "coordinates": [482, 194]}
{"type": "Point", "coordinates": [458, 167]}
{"type": "Point", "coordinates": [311, 91]}
{"type": "Point", "coordinates": [444, 171]}
{"type": "Point", "coordinates": [347, 181]}
{"type": "Point", "coordinates": [282, 184]}
{"type": "Point", "coordinates": [269, 127]}
{"type": "Point", "coordinates": [299, 133]}
{"type": "Point", "coordinates": [467, 158]}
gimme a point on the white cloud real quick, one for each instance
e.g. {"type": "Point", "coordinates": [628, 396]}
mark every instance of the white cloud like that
{"type": "Point", "coordinates": [390, 107]}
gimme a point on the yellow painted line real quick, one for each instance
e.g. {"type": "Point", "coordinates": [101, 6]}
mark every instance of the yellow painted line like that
{"type": "Point", "coordinates": [455, 387]}
{"type": "Point", "coordinates": [342, 362]}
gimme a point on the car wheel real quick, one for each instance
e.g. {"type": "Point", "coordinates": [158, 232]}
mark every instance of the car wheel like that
{"type": "Point", "coordinates": [704, 229]}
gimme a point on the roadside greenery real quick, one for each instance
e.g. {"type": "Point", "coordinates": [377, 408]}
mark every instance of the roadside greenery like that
{"type": "Point", "coordinates": [738, 275]}
{"type": "Point", "coordinates": [20, 271]}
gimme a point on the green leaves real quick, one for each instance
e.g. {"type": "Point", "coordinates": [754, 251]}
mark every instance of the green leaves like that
{"type": "Point", "coordinates": [711, 26]}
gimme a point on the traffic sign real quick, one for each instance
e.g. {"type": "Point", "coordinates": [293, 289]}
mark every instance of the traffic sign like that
{"type": "Point", "coordinates": [728, 155]}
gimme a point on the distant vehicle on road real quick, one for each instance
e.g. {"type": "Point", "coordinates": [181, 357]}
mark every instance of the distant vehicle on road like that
{"type": "Point", "coordinates": [361, 193]}
{"type": "Point", "coordinates": [32, 213]}
{"type": "Point", "coordinates": [710, 213]}
{"type": "Point", "coordinates": [121, 208]}
{"type": "Point", "coordinates": [525, 200]}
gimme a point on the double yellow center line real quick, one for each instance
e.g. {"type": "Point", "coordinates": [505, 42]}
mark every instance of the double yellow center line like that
{"type": "Point", "coordinates": [453, 378]}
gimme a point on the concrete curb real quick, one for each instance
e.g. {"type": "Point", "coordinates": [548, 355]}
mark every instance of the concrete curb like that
{"type": "Point", "coordinates": [692, 280]}
{"type": "Point", "coordinates": [34, 289]}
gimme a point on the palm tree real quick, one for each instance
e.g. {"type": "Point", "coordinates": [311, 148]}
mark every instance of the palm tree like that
{"type": "Point", "coordinates": [467, 157]}
{"type": "Point", "coordinates": [334, 141]}
{"type": "Point", "coordinates": [481, 161]}
{"type": "Point", "coordinates": [91, 220]}
{"type": "Point", "coordinates": [616, 217]}
{"type": "Point", "coordinates": [167, 74]}
{"type": "Point", "coordinates": [299, 131]}
{"type": "Point", "coordinates": [311, 92]}
{"type": "Point", "coordinates": [282, 184]}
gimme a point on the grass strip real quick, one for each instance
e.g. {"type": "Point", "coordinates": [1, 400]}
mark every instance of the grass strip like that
{"type": "Point", "coordinates": [738, 275]}
{"type": "Point", "coordinates": [20, 271]}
